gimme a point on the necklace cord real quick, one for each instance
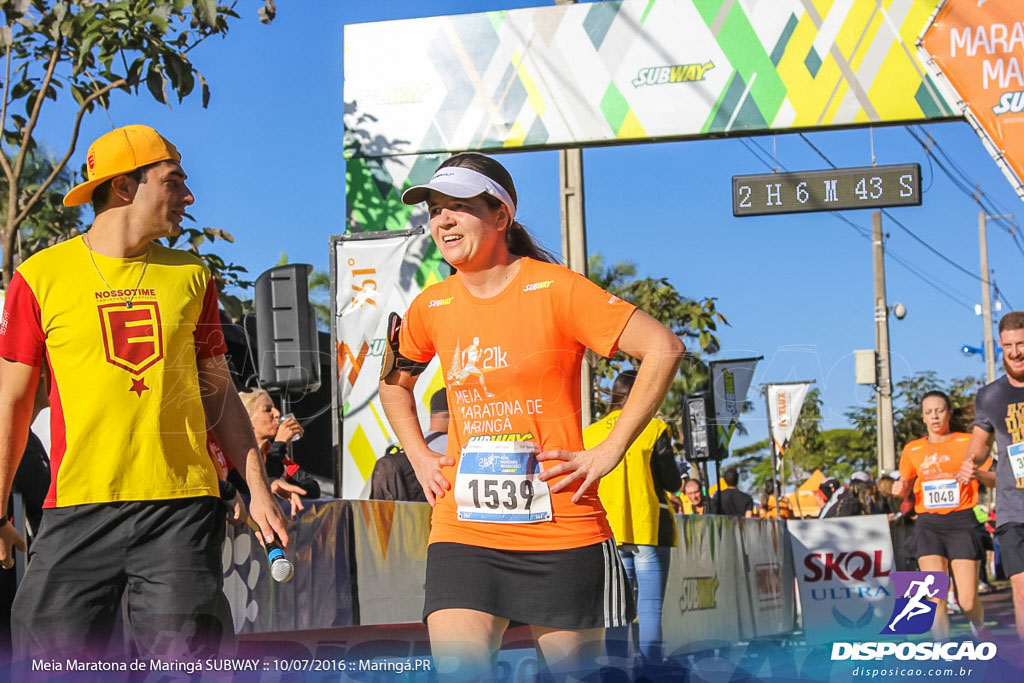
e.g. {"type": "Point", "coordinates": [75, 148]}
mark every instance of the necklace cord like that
{"type": "Point", "coordinates": [133, 292]}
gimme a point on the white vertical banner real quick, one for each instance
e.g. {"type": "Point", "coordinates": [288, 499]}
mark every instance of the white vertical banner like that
{"type": "Point", "coordinates": [376, 274]}
{"type": "Point", "coordinates": [730, 381]}
{"type": "Point", "coordinates": [784, 403]}
{"type": "Point", "coordinates": [843, 568]}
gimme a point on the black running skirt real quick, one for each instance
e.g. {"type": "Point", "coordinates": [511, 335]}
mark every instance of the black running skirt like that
{"type": "Point", "coordinates": [956, 536]}
{"type": "Point", "coordinates": [571, 589]}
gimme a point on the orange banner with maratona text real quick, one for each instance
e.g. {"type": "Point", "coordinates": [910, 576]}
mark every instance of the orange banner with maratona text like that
{"type": "Point", "coordinates": [979, 47]}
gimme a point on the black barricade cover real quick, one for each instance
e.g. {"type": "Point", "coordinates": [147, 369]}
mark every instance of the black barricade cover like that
{"type": "Point", "coordinates": [320, 594]}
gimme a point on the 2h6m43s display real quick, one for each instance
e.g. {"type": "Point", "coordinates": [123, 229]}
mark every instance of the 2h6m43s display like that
{"type": "Point", "coordinates": [869, 187]}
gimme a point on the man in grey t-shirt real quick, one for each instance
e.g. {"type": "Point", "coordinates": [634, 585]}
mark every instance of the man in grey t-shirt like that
{"type": "Point", "coordinates": [999, 416]}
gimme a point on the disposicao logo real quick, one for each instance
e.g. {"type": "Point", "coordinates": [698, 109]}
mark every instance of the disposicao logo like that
{"type": "Point", "coordinates": [914, 610]}
{"type": "Point", "coordinates": [951, 651]}
{"type": "Point", "coordinates": [914, 613]}
{"type": "Point", "coordinates": [675, 73]}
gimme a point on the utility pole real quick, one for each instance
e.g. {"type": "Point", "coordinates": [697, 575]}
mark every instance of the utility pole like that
{"type": "Point", "coordinates": [574, 244]}
{"type": "Point", "coordinates": [986, 290]}
{"type": "Point", "coordinates": [886, 442]}
{"type": "Point", "coordinates": [574, 238]}
{"type": "Point", "coordinates": [986, 301]}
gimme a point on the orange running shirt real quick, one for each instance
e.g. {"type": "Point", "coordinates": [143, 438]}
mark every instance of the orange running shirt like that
{"type": "Point", "coordinates": [512, 367]}
{"type": "Point", "coordinates": [126, 418]}
{"type": "Point", "coordinates": [933, 466]}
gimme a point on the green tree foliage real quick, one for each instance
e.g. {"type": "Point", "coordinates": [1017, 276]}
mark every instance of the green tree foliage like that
{"type": "Point", "coordinates": [49, 221]}
{"type": "Point", "coordinates": [841, 452]}
{"type": "Point", "coordinates": [224, 274]}
{"type": "Point", "coordinates": [85, 50]}
{"type": "Point", "coordinates": [836, 452]}
{"type": "Point", "coordinates": [907, 407]}
{"type": "Point", "coordinates": [696, 322]}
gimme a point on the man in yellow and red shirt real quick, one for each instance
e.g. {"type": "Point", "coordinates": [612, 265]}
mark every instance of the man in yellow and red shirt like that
{"type": "Point", "coordinates": [130, 333]}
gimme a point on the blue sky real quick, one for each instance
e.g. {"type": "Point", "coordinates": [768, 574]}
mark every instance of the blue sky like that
{"type": "Point", "coordinates": [265, 162]}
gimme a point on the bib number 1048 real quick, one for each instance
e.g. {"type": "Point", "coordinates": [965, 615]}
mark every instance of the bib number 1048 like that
{"type": "Point", "coordinates": [941, 494]}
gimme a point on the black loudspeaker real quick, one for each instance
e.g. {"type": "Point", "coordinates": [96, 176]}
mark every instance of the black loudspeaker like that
{"type": "Point", "coordinates": [289, 356]}
{"type": "Point", "coordinates": [701, 433]}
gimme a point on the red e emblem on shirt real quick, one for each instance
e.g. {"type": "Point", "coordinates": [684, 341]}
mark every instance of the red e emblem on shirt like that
{"type": "Point", "coordinates": [132, 337]}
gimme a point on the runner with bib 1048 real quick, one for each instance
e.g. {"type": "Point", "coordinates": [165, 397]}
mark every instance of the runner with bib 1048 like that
{"type": "Point", "coordinates": [946, 534]}
{"type": "Point", "coordinates": [523, 536]}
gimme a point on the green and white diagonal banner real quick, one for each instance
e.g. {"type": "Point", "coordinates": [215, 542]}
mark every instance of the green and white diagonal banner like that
{"type": "Point", "coordinates": [632, 70]}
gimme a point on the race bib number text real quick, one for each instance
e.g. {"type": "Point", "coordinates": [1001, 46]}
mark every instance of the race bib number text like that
{"type": "Point", "coordinates": [497, 482]}
{"type": "Point", "coordinates": [941, 494]}
{"type": "Point", "coordinates": [1016, 453]}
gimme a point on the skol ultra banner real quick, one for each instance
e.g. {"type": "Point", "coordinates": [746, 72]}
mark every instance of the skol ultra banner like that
{"type": "Point", "coordinates": [843, 570]}
{"type": "Point", "coordinates": [632, 70]}
{"type": "Point", "coordinates": [979, 48]}
{"type": "Point", "coordinates": [375, 275]}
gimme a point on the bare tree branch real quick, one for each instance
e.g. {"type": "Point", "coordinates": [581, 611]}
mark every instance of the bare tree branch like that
{"type": "Point", "coordinates": [3, 119]}
{"type": "Point", "coordinates": [19, 163]}
{"type": "Point", "coordinates": [59, 166]}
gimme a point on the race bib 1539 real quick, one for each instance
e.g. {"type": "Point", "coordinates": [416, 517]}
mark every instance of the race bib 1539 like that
{"type": "Point", "coordinates": [497, 482]}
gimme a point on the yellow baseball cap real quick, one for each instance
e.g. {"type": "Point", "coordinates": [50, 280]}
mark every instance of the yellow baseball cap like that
{"type": "Point", "coordinates": [120, 151]}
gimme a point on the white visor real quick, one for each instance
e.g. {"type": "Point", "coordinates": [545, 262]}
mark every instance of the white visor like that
{"type": "Point", "coordinates": [456, 181]}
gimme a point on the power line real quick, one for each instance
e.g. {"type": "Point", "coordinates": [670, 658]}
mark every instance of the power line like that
{"type": "Point", "coordinates": [996, 207]}
{"type": "Point", "coordinates": [930, 248]}
{"type": "Point", "coordinates": [820, 153]}
{"type": "Point", "coordinates": [964, 183]}
{"type": "Point", "coordinates": [936, 285]}
{"type": "Point", "coordinates": [762, 155]}
{"type": "Point", "coordinates": [757, 151]}
{"type": "Point", "coordinates": [910, 232]}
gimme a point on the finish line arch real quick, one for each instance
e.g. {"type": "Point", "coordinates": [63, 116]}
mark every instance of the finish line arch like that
{"type": "Point", "coordinates": [635, 71]}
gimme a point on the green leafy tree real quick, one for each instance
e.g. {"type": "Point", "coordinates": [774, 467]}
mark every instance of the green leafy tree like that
{"type": "Point", "coordinates": [836, 452]}
{"type": "Point", "coordinates": [806, 446]}
{"type": "Point", "coordinates": [49, 221]}
{"type": "Point", "coordinates": [224, 274]}
{"type": "Point", "coordinates": [841, 452]}
{"type": "Point", "coordinates": [85, 50]}
{"type": "Point", "coordinates": [907, 395]}
{"type": "Point", "coordinates": [696, 322]}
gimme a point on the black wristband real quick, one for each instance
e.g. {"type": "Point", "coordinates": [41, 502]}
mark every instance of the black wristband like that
{"type": "Point", "coordinates": [4, 522]}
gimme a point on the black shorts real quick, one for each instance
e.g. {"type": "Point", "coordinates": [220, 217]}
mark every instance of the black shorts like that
{"type": "Point", "coordinates": [955, 535]}
{"type": "Point", "coordinates": [570, 589]}
{"type": "Point", "coordinates": [1011, 547]}
{"type": "Point", "coordinates": [163, 556]}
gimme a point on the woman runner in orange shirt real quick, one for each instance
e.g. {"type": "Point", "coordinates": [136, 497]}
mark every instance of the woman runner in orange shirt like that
{"type": "Point", "coordinates": [517, 531]}
{"type": "Point", "coordinates": [946, 533]}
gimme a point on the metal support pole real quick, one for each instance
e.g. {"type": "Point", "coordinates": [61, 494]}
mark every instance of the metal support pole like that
{"type": "Point", "coordinates": [774, 451]}
{"type": "Point", "coordinates": [986, 300]}
{"type": "Point", "coordinates": [574, 245]}
{"type": "Point", "coordinates": [886, 434]}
